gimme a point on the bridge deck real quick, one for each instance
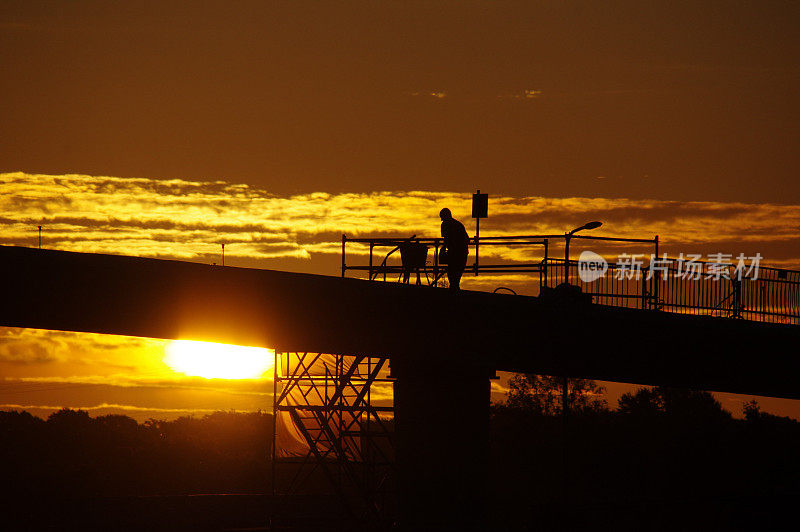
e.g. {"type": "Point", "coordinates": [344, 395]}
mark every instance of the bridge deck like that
{"type": "Point", "coordinates": [302, 312]}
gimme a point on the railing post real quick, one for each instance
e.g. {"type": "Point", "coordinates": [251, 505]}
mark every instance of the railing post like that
{"type": "Point", "coordinates": [477, 243]}
{"type": "Point", "coordinates": [655, 289]}
{"type": "Point", "coordinates": [644, 292]}
{"type": "Point", "coordinates": [435, 262]}
{"type": "Point", "coordinates": [371, 247]}
{"type": "Point", "coordinates": [544, 267]}
{"type": "Point", "coordinates": [344, 267]}
{"type": "Point", "coordinates": [737, 297]}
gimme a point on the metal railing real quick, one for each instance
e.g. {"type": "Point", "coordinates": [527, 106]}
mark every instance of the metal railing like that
{"type": "Point", "coordinates": [414, 262]}
{"type": "Point", "coordinates": [766, 294]}
{"type": "Point", "coordinates": [769, 294]}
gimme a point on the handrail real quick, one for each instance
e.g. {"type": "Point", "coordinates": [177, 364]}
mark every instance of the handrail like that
{"type": "Point", "coordinates": [387, 240]}
{"type": "Point", "coordinates": [771, 295]}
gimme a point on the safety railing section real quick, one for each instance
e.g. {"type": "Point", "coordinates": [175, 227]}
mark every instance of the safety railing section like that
{"type": "Point", "coordinates": [417, 260]}
{"type": "Point", "coordinates": [758, 293]}
{"type": "Point", "coordinates": [608, 289]}
{"type": "Point", "coordinates": [733, 290]}
{"type": "Point", "coordinates": [639, 278]}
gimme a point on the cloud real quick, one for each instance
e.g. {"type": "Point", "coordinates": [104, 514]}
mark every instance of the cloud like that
{"type": "Point", "coordinates": [431, 94]}
{"type": "Point", "coordinates": [139, 394]}
{"type": "Point", "coordinates": [527, 94]}
{"type": "Point", "coordinates": [21, 346]}
{"type": "Point", "coordinates": [21, 352]}
{"type": "Point", "coordinates": [499, 388]}
{"type": "Point", "coordinates": [114, 408]}
{"type": "Point", "coordinates": [253, 387]}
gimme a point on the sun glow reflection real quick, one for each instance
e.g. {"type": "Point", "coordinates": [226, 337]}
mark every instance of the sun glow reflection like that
{"type": "Point", "coordinates": [218, 361]}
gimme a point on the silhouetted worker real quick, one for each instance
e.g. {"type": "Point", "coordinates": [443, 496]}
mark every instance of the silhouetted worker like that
{"type": "Point", "coordinates": [456, 245]}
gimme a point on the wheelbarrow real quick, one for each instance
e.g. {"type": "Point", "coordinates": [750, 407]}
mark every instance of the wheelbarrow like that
{"type": "Point", "coordinates": [413, 256]}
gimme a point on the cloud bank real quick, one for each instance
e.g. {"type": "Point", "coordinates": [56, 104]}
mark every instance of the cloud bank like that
{"type": "Point", "coordinates": [190, 220]}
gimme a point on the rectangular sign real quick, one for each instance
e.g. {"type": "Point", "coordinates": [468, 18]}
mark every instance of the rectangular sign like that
{"type": "Point", "coordinates": [480, 205]}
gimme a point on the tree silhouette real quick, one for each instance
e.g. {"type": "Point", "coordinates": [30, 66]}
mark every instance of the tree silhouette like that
{"type": "Point", "coordinates": [676, 449]}
{"type": "Point", "coordinates": [543, 395]}
{"type": "Point", "coordinates": [662, 400]}
{"type": "Point", "coordinates": [69, 419]}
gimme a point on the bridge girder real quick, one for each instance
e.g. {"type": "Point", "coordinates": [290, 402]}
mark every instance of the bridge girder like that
{"type": "Point", "coordinates": [302, 312]}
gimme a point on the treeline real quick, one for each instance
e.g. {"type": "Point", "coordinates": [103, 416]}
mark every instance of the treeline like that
{"type": "Point", "coordinates": [74, 454]}
{"type": "Point", "coordinates": [661, 457]}
{"type": "Point", "coordinates": [670, 453]}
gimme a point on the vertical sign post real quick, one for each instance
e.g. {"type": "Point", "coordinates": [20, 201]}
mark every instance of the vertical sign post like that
{"type": "Point", "coordinates": [480, 209]}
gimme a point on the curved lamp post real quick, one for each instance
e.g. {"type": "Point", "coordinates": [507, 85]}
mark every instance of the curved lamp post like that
{"type": "Point", "coordinates": [567, 237]}
{"type": "Point", "coordinates": [565, 385]}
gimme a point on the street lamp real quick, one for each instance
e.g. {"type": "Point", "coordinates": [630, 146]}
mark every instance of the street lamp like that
{"type": "Point", "coordinates": [565, 382]}
{"type": "Point", "coordinates": [567, 237]}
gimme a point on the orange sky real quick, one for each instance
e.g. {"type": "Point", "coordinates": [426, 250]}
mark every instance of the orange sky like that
{"type": "Point", "coordinates": [667, 100]}
{"type": "Point", "coordinates": [165, 129]}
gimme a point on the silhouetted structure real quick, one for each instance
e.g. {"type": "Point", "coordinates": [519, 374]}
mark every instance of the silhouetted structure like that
{"type": "Point", "coordinates": [328, 425]}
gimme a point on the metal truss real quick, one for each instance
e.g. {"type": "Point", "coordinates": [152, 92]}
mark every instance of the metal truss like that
{"type": "Point", "coordinates": [327, 427]}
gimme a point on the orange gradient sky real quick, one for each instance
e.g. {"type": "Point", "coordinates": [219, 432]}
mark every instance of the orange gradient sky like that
{"type": "Point", "coordinates": [623, 99]}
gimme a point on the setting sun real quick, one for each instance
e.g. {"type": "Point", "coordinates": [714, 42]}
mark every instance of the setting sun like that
{"type": "Point", "coordinates": [218, 361]}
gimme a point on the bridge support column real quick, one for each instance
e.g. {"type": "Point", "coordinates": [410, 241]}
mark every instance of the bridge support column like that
{"type": "Point", "coordinates": [442, 444]}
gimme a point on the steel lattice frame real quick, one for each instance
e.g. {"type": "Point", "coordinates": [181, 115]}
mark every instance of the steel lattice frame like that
{"type": "Point", "coordinates": [348, 438]}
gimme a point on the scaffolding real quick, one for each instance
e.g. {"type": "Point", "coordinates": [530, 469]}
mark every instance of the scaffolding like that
{"type": "Point", "coordinates": [332, 437]}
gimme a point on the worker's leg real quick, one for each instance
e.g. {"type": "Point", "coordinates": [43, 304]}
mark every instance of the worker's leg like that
{"type": "Point", "coordinates": [454, 276]}
{"type": "Point", "coordinates": [455, 269]}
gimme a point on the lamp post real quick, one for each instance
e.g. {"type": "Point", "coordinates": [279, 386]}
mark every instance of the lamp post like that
{"type": "Point", "coordinates": [565, 383]}
{"type": "Point", "coordinates": [567, 237]}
